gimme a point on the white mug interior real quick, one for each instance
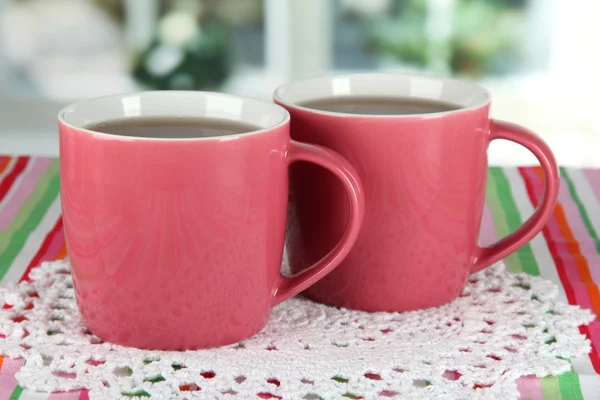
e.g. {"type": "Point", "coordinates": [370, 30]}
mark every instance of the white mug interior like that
{"type": "Point", "coordinates": [87, 114]}
{"type": "Point", "coordinates": [464, 94]}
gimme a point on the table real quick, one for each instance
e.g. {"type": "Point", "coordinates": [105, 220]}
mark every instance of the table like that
{"type": "Point", "coordinates": [567, 252]}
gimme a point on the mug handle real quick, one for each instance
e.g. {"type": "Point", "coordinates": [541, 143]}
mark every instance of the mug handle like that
{"type": "Point", "coordinates": [505, 130]}
{"type": "Point", "coordinates": [287, 287]}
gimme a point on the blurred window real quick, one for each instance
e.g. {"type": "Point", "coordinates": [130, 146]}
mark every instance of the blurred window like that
{"type": "Point", "coordinates": [459, 37]}
{"type": "Point", "coordinates": [536, 56]}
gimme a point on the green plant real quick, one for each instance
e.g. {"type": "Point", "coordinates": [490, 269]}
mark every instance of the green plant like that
{"type": "Point", "coordinates": [485, 37]}
{"type": "Point", "coordinates": [194, 58]}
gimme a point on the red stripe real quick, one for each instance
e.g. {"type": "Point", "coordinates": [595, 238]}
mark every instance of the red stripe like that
{"type": "Point", "coordinates": [38, 258]}
{"type": "Point", "coordinates": [560, 267]}
{"type": "Point", "coordinates": [594, 357]}
{"type": "Point", "coordinates": [12, 176]}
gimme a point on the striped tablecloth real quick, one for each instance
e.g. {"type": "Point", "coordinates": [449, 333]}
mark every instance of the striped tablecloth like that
{"type": "Point", "coordinates": [567, 252]}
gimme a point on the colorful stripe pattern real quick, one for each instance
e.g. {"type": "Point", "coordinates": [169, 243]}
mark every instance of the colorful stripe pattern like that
{"type": "Point", "coordinates": [567, 252]}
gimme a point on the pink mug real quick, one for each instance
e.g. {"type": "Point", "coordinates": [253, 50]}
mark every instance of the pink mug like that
{"type": "Point", "coordinates": [424, 177]}
{"type": "Point", "coordinates": [177, 243]}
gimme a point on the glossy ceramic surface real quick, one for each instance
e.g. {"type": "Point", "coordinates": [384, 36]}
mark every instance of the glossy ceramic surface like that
{"type": "Point", "coordinates": [424, 178]}
{"type": "Point", "coordinates": [177, 243]}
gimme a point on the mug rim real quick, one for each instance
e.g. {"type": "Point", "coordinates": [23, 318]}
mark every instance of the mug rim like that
{"type": "Point", "coordinates": [485, 95]}
{"type": "Point", "coordinates": [281, 120]}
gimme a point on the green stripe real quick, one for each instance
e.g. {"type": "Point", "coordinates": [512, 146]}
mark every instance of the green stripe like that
{"type": "Point", "coordinates": [29, 205]}
{"type": "Point", "coordinates": [507, 219]}
{"type": "Point", "coordinates": [582, 211]}
{"type": "Point", "coordinates": [16, 393]}
{"type": "Point", "coordinates": [499, 217]}
{"type": "Point", "coordinates": [570, 387]}
{"type": "Point", "coordinates": [28, 218]}
{"type": "Point", "coordinates": [525, 253]}
{"type": "Point", "coordinates": [551, 388]}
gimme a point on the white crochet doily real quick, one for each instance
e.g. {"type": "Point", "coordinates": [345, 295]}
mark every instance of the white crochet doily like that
{"type": "Point", "coordinates": [503, 327]}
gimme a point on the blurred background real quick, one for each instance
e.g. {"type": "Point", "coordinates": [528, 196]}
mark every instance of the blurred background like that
{"type": "Point", "coordinates": [537, 57]}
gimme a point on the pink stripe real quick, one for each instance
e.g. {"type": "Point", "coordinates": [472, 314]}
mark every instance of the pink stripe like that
{"type": "Point", "coordinates": [84, 395]}
{"type": "Point", "coordinates": [593, 177]}
{"type": "Point", "coordinates": [594, 329]}
{"type": "Point", "coordinates": [22, 189]}
{"type": "Point", "coordinates": [587, 247]}
{"type": "Point", "coordinates": [579, 289]}
{"type": "Point", "coordinates": [8, 382]}
{"type": "Point", "coordinates": [73, 395]}
{"type": "Point", "coordinates": [487, 234]}
{"type": "Point", "coordinates": [530, 388]}
{"type": "Point", "coordinates": [55, 246]}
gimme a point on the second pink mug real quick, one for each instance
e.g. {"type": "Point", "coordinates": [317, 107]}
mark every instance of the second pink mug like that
{"type": "Point", "coordinates": [424, 177]}
{"type": "Point", "coordinates": [176, 243]}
